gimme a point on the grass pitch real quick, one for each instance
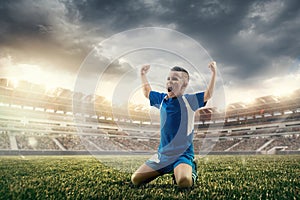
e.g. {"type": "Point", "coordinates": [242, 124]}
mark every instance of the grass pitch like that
{"type": "Point", "coordinates": [85, 177]}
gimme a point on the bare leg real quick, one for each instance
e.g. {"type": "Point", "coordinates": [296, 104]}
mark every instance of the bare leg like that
{"type": "Point", "coordinates": [183, 175]}
{"type": "Point", "coordinates": [144, 174]}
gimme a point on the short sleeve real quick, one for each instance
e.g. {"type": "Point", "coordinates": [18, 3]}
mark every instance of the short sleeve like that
{"type": "Point", "coordinates": [156, 98]}
{"type": "Point", "coordinates": [196, 100]}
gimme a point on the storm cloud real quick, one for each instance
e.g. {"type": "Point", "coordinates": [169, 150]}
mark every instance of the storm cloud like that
{"type": "Point", "coordinates": [252, 41]}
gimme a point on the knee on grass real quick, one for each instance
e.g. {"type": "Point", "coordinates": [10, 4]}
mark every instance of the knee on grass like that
{"type": "Point", "coordinates": [136, 180]}
{"type": "Point", "coordinates": [185, 182]}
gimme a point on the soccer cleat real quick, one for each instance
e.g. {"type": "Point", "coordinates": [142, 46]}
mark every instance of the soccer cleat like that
{"type": "Point", "coordinates": [174, 179]}
{"type": "Point", "coordinates": [195, 173]}
{"type": "Point", "coordinates": [194, 177]}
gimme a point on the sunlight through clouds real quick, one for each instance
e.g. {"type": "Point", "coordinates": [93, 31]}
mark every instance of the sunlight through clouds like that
{"type": "Point", "coordinates": [255, 43]}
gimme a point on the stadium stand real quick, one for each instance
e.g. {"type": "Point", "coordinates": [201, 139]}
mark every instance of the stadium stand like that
{"type": "Point", "coordinates": [35, 119]}
{"type": "Point", "coordinates": [29, 141]}
{"type": "Point", "coordinates": [4, 140]}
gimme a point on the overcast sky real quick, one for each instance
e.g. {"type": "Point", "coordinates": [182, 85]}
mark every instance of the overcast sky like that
{"type": "Point", "coordinates": [256, 44]}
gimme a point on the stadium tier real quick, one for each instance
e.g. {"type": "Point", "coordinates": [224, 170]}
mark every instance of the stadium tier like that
{"type": "Point", "coordinates": [38, 119]}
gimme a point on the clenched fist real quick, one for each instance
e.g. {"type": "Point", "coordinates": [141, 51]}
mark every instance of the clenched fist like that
{"type": "Point", "coordinates": [213, 66]}
{"type": "Point", "coordinates": [145, 69]}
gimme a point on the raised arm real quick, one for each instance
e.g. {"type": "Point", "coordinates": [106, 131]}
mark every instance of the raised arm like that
{"type": "Point", "coordinates": [146, 86]}
{"type": "Point", "coordinates": [209, 91]}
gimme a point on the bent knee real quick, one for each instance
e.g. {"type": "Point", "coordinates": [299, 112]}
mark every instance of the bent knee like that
{"type": "Point", "coordinates": [135, 179]}
{"type": "Point", "coordinates": [184, 182]}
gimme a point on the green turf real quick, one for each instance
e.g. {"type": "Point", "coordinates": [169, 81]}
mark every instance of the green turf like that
{"type": "Point", "coordinates": [78, 177]}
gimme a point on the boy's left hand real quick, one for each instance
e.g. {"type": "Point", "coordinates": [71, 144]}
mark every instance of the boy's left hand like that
{"type": "Point", "coordinates": [213, 66]}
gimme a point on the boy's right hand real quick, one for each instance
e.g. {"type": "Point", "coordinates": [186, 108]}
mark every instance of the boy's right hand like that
{"type": "Point", "coordinates": [145, 69]}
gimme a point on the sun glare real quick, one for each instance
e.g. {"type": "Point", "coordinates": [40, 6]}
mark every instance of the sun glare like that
{"type": "Point", "coordinates": [15, 82]}
{"type": "Point", "coordinates": [38, 75]}
{"type": "Point", "coordinates": [248, 100]}
{"type": "Point", "coordinates": [138, 98]}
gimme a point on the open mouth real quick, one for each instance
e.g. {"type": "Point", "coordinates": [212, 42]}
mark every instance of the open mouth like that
{"type": "Point", "coordinates": [170, 89]}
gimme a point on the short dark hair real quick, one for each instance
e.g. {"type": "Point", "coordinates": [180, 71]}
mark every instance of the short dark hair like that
{"type": "Point", "coordinates": [180, 69]}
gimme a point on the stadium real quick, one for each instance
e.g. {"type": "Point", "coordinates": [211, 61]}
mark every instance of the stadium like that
{"type": "Point", "coordinates": [37, 121]}
{"type": "Point", "coordinates": [48, 151]}
{"type": "Point", "coordinates": [75, 123]}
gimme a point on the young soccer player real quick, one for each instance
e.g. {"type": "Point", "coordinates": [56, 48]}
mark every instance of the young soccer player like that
{"type": "Point", "coordinates": [176, 152]}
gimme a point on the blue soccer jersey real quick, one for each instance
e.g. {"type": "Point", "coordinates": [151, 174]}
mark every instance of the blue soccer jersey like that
{"type": "Point", "coordinates": [176, 122]}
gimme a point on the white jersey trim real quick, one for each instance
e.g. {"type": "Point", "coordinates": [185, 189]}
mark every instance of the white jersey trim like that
{"type": "Point", "coordinates": [191, 116]}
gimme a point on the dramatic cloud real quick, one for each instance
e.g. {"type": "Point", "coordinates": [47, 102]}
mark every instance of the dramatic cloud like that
{"type": "Point", "coordinates": [254, 42]}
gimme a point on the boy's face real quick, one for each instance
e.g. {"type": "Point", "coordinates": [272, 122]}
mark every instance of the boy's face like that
{"type": "Point", "coordinates": [176, 83]}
